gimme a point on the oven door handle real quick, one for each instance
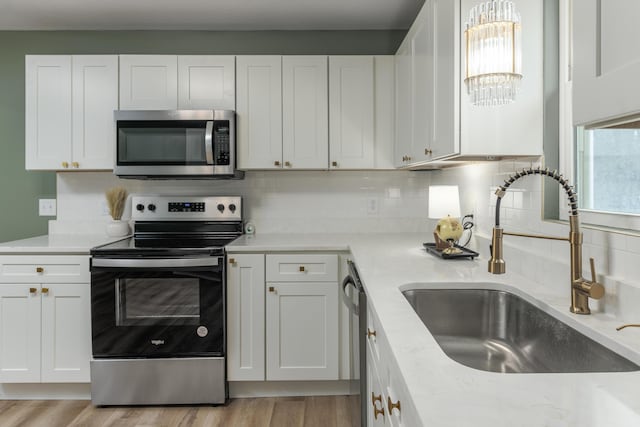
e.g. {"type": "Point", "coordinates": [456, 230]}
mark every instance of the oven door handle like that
{"type": "Point", "coordinates": [208, 143]}
{"type": "Point", "coordinates": [156, 263]}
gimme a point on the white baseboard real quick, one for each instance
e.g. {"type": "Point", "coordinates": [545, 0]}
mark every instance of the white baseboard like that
{"type": "Point", "coordinates": [291, 388]}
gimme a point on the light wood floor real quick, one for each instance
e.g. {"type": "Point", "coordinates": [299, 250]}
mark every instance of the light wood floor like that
{"type": "Point", "coordinates": [322, 411]}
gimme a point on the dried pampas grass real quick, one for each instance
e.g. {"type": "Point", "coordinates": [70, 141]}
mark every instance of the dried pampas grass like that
{"type": "Point", "coordinates": [116, 198]}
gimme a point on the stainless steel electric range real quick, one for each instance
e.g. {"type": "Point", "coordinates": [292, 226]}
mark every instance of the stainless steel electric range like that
{"type": "Point", "coordinates": [157, 304]}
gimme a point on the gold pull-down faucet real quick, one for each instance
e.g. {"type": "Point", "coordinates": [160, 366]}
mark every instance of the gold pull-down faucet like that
{"type": "Point", "coordinates": [581, 288]}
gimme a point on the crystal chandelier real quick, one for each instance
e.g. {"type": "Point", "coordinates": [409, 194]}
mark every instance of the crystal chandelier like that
{"type": "Point", "coordinates": [493, 53]}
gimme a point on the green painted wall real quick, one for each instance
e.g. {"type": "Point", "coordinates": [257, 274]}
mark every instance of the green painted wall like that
{"type": "Point", "coordinates": [20, 190]}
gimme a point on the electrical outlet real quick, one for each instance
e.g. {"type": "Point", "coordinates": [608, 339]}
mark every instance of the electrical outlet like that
{"type": "Point", "coordinates": [104, 208]}
{"type": "Point", "coordinates": [47, 207]}
{"type": "Point", "coordinates": [372, 206]}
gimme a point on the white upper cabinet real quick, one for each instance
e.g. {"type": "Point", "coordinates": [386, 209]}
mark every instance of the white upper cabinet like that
{"type": "Point", "coordinates": [169, 82]}
{"type": "Point", "coordinates": [69, 104]}
{"type": "Point", "coordinates": [435, 120]}
{"type": "Point", "coordinates": [48, 111]}
{"type": "Point", "coordinates": [305, 112]}
{"type": "Point", "coordinates": [606, 60]}
{"type": "Point", "coordinates": [148, 82]}
{"type": "Point", "coordinates": [206, 82]}
{"type": "Point", "coordinates": [351, 112]}
{"type": "Point", "coordinates": [259, 112]}
{"type": "Point", "coordinates": [95, 97]}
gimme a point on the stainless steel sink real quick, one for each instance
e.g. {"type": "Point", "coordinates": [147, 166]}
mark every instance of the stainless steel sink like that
{"type": "Point", "coordinates": [498, 331]}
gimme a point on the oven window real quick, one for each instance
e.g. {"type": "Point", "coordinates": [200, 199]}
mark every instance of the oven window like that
{"type": "Point", "coordinates": [157, 301]}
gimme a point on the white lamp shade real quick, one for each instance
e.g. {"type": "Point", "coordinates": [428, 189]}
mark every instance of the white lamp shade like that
{"type": "Point", "coordinates": [444, 200]}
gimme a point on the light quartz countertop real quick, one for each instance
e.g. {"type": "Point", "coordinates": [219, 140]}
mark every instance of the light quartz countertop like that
{"type": "Point", "coordinates": [446, 393]}
{"type": "Point", "coordinates": [52, 244]}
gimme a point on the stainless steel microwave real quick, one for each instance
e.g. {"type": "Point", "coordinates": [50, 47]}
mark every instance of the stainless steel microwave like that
{"type": "Point", "coordinates": [190, 144]}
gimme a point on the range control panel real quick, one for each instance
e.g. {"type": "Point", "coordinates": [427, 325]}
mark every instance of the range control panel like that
{"type": "Point", "coordinates": [186, 208]}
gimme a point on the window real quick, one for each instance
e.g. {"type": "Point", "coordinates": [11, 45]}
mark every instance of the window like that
{"type": "Point", "coordinates": [608, 173]}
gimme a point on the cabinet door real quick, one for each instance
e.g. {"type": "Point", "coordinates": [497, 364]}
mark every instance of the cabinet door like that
{"type": "Point", "coordinates": [606, 58]}
{"type": "Point", "coordinates": [445, 136]}
{"type": "Point", "coordinates": [422, 82]}
{"type": "Point", "coordinates": [20, 333]}
{"type": "Point", "coordinates": [302, 331]}
{"type": "Point", "coordinates": [206, 82]}
{"type": "Point", "coordinates": [351, 107]}
{"type": "Point", "coordinates": [305, 130]}
{"type": "Point", "coordinates": [404, 96]}
{"type": "Point", "coordinates": [375, 398]}
{"type": "Point", "coordinates": [47, 111]}
{"type": "Point", "coordinates": [66, 333]}
{"type": "Point", "coordinates": [245, 318]}
{"type": "Point", "coordinates": [95, 97]}
{"type": "Point", "coordinates": [148, 82]}
{"type": "Point", "coordinates": [384, 115]}
{"type": "Point", "coordinates": [259, 112]}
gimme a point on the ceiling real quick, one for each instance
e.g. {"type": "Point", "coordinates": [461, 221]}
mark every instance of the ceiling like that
{"type": "Point", "coordinates": [241, 15]}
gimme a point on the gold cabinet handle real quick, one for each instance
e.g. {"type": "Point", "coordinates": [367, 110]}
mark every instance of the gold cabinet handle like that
{"type": "Point", "coordinates": [33, 291]}
{"type": "Point", "coordinates": [377, 411]}
{"type": "Point", "coordinates": [232, 261]}
{"type": "Point", "coordinates": [272, 289]}
{"type": "Point", "coordinates": [75, 164]}
{"type": "Point", "coordinates": [45, 291]}
{"type": "Point", "coordinates": [301, 269]}
{"type": "Point", "coordinates": [287, 164]}
{"type": "Point", "coordinates": [392, 405]}
{"type": "Point", "coordinates": [370, 333]}
{"type": "Point", "coordinates": [334, 164]}
{"type": "Point", "coordinates": [427, 152]}
{"type": "Point", "coordinates": [276, 163]}
{"type": "Point", "coordinates": [65, 165]}
{"type": "Point", "coordinates": [39, 270]}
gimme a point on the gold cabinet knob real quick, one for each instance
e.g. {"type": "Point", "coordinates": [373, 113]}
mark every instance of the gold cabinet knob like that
{"type": "Point", "coordinates": [232, 261]}
{"type": "Point", "coordinates": [334, 164]}
{"type": "Point", "coordinates": [392, 405]}
{"type": "Point", "coordinates": [370, 333]}
{"type": "Point", "coordinates": [377, 411]}
{"type": "Point", "coordinates": [45, 291]}
{"type": "Point", "coordinates": [39, 270]}
{"type": "Point", "coordinates": [75, 164]}
{"type": "Point", "coordinates": [301, 269]}
{"type": "Point", "coordinates": [33, 291]}
{"type": "Point", "coordinates": [272, 289]}
{"type": "Point", "coordinates": [276, 163]}
{"type": "Point", "coordinates": [287, 164]}
{"type": "Point", "coordinates": [65, 165]}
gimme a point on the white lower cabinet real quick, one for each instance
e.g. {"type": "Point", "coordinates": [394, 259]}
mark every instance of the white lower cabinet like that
{"type": "Point", "coordinates": [45, 333]}
{"type": "Point", "coordinates": [45, 319]}
{"type": "Point", "coordinates": [287, 329]}
{"type": "Point", "coordinates": [388, 402]}
{"type": "Point", "coordinates": [302, 331]}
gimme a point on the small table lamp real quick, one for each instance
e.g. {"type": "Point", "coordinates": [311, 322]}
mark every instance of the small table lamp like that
{"type": "Point", "coordinates": [444, 204]}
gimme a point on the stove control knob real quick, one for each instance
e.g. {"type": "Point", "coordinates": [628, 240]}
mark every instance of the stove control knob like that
{"type": "Point", "coordinates": [140, 207]}
{"type": "Point", "coordinates": [221, 207]}
{"type": "Point", "coordinates": [232, 208]}
{"type": "Point", "coordinates": [151, 207]}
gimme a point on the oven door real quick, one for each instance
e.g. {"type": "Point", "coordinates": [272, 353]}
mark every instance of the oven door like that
{"type": "Point", "coordinates": [151, 307]}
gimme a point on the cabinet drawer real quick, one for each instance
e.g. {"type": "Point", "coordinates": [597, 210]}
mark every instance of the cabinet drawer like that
{"type": "Point", "coordinates": [302, 268]}
{"type": "Point", "coordinates": [44, 269]}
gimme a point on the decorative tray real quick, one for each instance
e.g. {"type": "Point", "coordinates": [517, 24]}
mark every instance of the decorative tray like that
{"type": "Point", "coordinates": [466, 253]}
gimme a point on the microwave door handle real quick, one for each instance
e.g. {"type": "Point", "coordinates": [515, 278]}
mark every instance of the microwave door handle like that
{"type": "Point", "coordinates": [208, 142]}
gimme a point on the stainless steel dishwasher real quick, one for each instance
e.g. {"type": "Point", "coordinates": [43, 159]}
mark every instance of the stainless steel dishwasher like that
{"type": "Point", "coordinates": [355, 298]}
